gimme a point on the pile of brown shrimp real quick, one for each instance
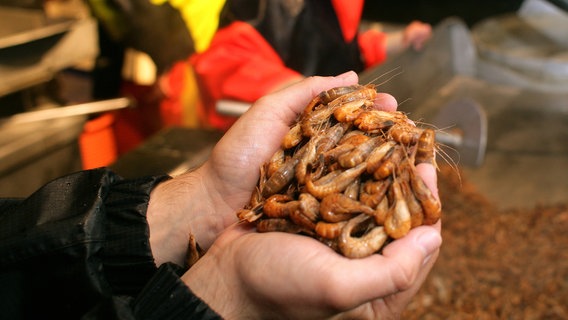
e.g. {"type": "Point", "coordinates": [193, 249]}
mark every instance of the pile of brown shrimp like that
{"type": "Point", "coordinates": [346, 176]}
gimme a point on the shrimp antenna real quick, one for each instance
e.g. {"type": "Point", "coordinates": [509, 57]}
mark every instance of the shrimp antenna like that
{"type": "Point", "coordinates": [399, 69]}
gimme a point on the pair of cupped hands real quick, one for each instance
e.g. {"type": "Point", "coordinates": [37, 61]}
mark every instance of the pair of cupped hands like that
{"type": "Point", "coordinates": [249, 275]}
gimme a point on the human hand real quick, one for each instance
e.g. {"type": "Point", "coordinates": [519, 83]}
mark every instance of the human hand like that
{"type": "Point", "coordinates": [204, 202]}
{"type": "Point", "coordinates": [416, 34]}
{"type": "Point", "coordinates": [248, 275]}
{"type": "Point", "coordinates": [276, 275]}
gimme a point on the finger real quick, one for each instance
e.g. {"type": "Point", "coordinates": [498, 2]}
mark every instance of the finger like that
{"type": "Point", "coordinates": [293, 99]}
{"type": "Point", "coordinates": [386, 102]}
{"type": "Point", "coordinates": [412, 251]}
{"type": "Point", "coordinates": [400, 300]}
{"type": "Point", "coordinates": [396, 270]}
{"type": "Point", "coordinates": [427, 242]}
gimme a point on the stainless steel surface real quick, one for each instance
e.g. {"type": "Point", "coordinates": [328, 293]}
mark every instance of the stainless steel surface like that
{"type": "Point", "coordinates": [515, 43]}
{"type": "Point", "coordinates": [174, 150]}
{"type": "Point", "coordinates": [20, 26]}
{"type": "Point", "coordinates": [527, 49]}
{"type": "Point", "coordinates": [232, 107]}
{"type": "Point", "coordinates": [33, 49]}
{"type": "Point", "coordinates": [463, 131]}
{"type": "Point", "coordinates": [21, 143]}
{"type": "Point", "coordinates": [449, 52]}
{"type": "Point", "coordinates": [526, 160]}
{"type": "Point", "coordinates": [67, 111]}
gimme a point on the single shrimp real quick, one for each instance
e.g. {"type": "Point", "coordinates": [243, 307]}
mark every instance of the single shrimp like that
{"type": "Point", "coordinates": [390, 163]}
{"type": "Point", "coordinates": [377, 186]}
{"type": "Point", "coordinates": [425, 149]}
{"type": "Point", "coordinates": [329, 230]}
{"type": "Point", "coordinates": [323, 98]}
{"type": "Point", "coordinates": [405, 133]}
{"type": "Point", "coordinates": [331, 137]}
{"type": "Point", "coordinates": [354, 137]}
{"type": "Point", "coordinates": [314, 122]}
{"type": "Point", "coordinates": [331, 155]}
{"type": "Point", "coordinates": [349, 111]}
{"type": "Point", "coordinates": [376, 156]}
{"type": "Point", "coordinates": [374, 121]}
{"type": "Point", "coordinates": [414, 206]}
{"type": "Point", "coordinates": [382, 211]}
{"type": "Point", "coordinates": [307, 213]}
{"type": "Point", "coordinates": [398, 220]}
{"type": "Point", "coordinates": [318, 168]}
{"type": "Point", "coordinates": [293, 137]}
{"type": "Point", "coordinates": [329, 177]}
{"type": "Point", "coordinates": [359, 153]}
{"type": "Point", "coordinates": [352, 191]}
{"type": "Point", "coordinates": [430, 204]}
{"type": "Point", "coordinates": [338, 207]}
{"type": "Point", "coordinates": [363, 93]}
{"type": "Point", "coordinates": [329, 95]}
{"type": "Point", "coordinates": [251, 214]}
{"type": "Point", "coordinates": [276, 161]}
{"type": "Point", "coordinates": [256, 197]}
{"type": "Point", "coordinates": [283, 176]}
{"type": "Point", "coordinates": [279, 206]}
{"type": "Point", "coordinates": [301, 220]}
{"type": "Point", "coordinates": [373, 192]}
{"type": "Point", "coordinates": [194, 252]}
{"type": "Point", "coordinates": [338, 184]}
{"type": "Point", "coordinates": [307, 159]}
{"type": "Point", "coordinates": [310, 206]}
{"type": "Point", "coordinates": [363, 246]}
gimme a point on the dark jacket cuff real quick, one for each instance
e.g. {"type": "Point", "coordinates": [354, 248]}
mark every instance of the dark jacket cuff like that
{"type": "Point", "coordinates": [127, 236]}
{"type": "Point", "coordinates": [167, 297]}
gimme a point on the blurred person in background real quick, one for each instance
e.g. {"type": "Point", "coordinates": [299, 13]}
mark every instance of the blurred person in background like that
{"type": "Point", "coordinates": [262, 46]}
{"type": "Point", "coordinates": [242, 49]}
{"type": "Point", "coordinates": [168, 32]}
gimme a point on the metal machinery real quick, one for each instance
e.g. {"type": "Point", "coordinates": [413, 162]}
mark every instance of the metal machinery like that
{"type": "Point", "coordinates": [33, 50]}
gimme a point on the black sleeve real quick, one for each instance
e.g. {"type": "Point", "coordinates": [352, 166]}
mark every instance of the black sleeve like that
{"type": "Point", "coordinates": [79, 243]}
{"type": "Point", "coordinates": [165, 297]}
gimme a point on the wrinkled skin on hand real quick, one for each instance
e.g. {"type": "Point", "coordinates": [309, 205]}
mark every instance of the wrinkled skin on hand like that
{"type": "Point", "coordinates": [246, 275]}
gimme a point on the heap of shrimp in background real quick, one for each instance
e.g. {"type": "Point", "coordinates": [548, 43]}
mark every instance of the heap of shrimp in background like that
{"type": "Point", "coordinates": [345, 175]}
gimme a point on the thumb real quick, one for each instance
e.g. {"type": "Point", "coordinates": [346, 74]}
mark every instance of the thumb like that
{"type": "Point", "coordinates": [399, 268]}
{"type": "Point", "coordinates": [407, 256]}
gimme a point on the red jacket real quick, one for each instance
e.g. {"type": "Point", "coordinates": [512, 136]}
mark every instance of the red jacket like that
{"type": "Point", "coordinates": [247, 59]}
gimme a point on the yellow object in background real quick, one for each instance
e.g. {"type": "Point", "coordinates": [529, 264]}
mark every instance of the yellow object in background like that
{"type": "Point", "coordinates": [201, 18]}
